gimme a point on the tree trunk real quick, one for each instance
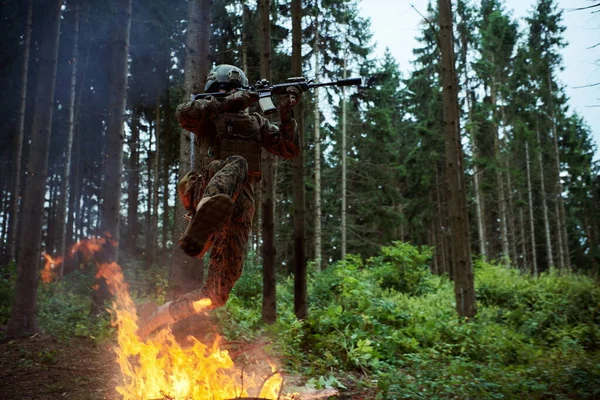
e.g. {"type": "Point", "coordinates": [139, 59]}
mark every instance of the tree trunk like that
{"type": "Point", "coordinates": [149, 228]}
{"type": "Point", "coordinates": [300, 295]}
{"type": "Point", "coordinates": [74, 216]}
{"type": "Point", "coordinates": [23, 320]}
{"type": "Point", "coordinates": [115, 120]}
{"type": "Point", "coordinates": [544, 201]}
{"type": "Point", "coordinates": [18, 142]}
{"type": "Point", "coordinates": [74, 203]}
{"type": "Point", "coordinates": [269, 305]}
{"type": "Point", "coordinates": [559, 237]}
{"type": "Point", "coordinates": [442, 220]}
{"type": "Point", "coordinates": [134, 184]}
{"type": "Point", "coordinates": [317, 239]}
{"type": "Point", "coordinates": [5, 201]}
{"type": "Point", "coordinates": [155, 187]}
{"type": "Point", "coordinates": [476, 184]}
{"type": "Point", "coordinates": [463, 271]}
{"type": "Point", "coordinates": [560, 214]}
{"type": "Point", "coordinates": [62, 200]}
{"type": "Point", "coordinates": [511, 215]}
{"type": "Point", "coordinates": [187, 273]}
{"type": "Point", "coordinates": [245, 41]}
{"type": "Point", "coordinates": [440, 243]}
{"type": "Point", "coordinates": [166, 174]}
{"type": "Point", "coordinates": [111, 188]}
{"type": "Point", "coordinates": [344, 166]}
{"type": "Point", "coordinates": [523, 260]}
{"type": "Point", "coordinates": [499, 179]}
{"type": "Point", "coordinates": [531, 217]}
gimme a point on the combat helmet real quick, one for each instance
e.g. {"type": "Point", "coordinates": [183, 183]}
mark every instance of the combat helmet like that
{"type": "Point", "coordinates": [226, 77]}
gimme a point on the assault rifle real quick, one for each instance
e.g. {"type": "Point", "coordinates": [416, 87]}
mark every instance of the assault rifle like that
{"type": "Point", "coordinates": [265, 91]}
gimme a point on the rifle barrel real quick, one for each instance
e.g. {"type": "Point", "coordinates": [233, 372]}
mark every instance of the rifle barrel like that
{"type": "Point", "coordinates": [339, 82]}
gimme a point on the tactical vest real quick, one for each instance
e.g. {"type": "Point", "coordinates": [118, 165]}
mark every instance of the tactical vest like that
{"type": "Point", "coordinates": [239, 135]}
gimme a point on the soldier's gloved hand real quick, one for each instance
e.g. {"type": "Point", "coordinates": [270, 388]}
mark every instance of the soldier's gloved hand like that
{"type": "Point", "coordinates": [238, 101]}
{"type": "Point", "coordinates": [292, 97]}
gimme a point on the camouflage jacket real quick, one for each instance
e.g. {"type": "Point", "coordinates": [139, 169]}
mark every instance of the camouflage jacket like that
{"type": "Point", "coordinates": [223, 129]}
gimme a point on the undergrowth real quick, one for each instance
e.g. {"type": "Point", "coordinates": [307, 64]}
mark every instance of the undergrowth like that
{"type": "Point", "coordinates": [390, 322]}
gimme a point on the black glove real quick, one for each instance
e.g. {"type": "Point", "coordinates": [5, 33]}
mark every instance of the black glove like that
{"type": "Point", "coordinates": [241, 100]}
{"type": "Point", "coordinates": [291, 98]}
{"type": "Point", "coordinates": [294, 95]}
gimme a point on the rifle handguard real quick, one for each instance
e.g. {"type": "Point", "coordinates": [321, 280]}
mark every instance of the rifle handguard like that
{"type": "Point", "coordinates": [265, 91]}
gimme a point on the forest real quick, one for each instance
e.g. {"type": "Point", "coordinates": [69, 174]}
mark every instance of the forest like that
{"type": "Point", "coordinates": [436, 237]}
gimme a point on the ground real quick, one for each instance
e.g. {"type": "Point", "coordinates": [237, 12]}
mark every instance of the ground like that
{"type": "Point", "coordinates": [42, 367]}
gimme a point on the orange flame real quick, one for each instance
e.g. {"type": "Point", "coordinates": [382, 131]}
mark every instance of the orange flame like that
{"type": "Point", "coordinates": [50, 265]}
{"type": "Point", "coordinates": [160, 368]}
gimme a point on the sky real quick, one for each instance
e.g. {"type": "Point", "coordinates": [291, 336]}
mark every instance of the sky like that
{"type": "Point", "coordinates": [395, 25]}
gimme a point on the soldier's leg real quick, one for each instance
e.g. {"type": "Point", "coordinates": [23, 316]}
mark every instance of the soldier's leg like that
{"type": "Point", "coordinates": [226, 263]}
{"type": "Point", "coordinates": [215, 204]}
{"type": "Point", "coordinates": [229, 251]}
{"type": "Point", "coordinates": [226, 258]}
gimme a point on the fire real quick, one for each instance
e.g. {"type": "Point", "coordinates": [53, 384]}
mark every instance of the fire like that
{"type": "Point", "coordinates": [51, 263]}
{"type": "Point", "coordinates": [159, 368]}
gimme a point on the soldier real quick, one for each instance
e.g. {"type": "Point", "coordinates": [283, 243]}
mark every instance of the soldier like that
{"type": "Point", "coordinates": [220, 198]}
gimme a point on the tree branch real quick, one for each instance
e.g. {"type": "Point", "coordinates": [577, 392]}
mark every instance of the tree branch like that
{"type": "Point", "coordinates": [584, 8]}
{"type": "Point", "coordinates": [586, 86]}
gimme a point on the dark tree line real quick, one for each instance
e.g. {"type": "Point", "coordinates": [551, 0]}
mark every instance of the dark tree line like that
{"type": "Point", "coordinates": [91, 146]}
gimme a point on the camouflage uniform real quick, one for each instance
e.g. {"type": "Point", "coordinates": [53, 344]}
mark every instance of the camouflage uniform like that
{"type": "Point", "coordinates": [232, 166]}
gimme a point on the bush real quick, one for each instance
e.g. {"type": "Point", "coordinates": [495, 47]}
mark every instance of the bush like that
{"type": "Point", "coordinates": [390, 318]}
{"type": "Point", "coordinates": [64, 309]}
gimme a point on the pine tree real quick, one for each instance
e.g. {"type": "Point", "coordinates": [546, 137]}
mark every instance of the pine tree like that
{"type": "Point", "coordinates": [544, 42]}
{"type": "Point", "coordinates": [186, 274]}
{"type": "Point", "coordinates": [498, 38]}
{"type": "Point", "coordinates": [23, 319]}
{"type": "Point", "coordinates": [18, 139]}
{"type": "Point", "coordinates": [425, 211]}
{"type": "Point", "coordinates": [461, 254]}
{"type": "Point", "coordinates": [62, 202]}
{"type": "Point", "coordinates": [269, 309]}
{"type": "Point", "coordinates": [466, 28]}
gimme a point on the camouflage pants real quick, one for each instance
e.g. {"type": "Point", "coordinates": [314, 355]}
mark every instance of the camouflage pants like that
{"type": "Point", "coordinates": [229, 244]}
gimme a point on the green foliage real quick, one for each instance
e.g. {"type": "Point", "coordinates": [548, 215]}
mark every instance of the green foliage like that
{"type": "Point", "coordinates": [403, 267]}
{"type": "Point", "coordinates": [8, 277]}
{"type": "Point", "coordinates": [389, 318]}
{"type": "Point", "coordinates": [64, 309]}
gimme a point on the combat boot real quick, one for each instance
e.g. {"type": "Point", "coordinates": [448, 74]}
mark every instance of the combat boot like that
{"type": "Point", "coordinates": [211, 214]}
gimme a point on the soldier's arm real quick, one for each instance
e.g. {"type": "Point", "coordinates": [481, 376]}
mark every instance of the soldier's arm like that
{"type": "Point", "coordinates": [283, 140]}
{"type": "Point", "coordinates": [192, 114]}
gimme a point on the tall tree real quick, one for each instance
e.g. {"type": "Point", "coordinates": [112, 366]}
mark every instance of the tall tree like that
{"type": "Point", "coordinates": [23, 320]}
{"type": "Point", "coordinates": [498, 38]}
{"type": "Point", "coordinates": [461, 253]}
{"type": "Point", "coordinates": [300, 293]}
{"type": "Point", "coordinates": [426, 207]}
{"type": "Point", "coordinates": [115, 120]}
{"type": "Point", "coordinates": [186, 274]}
{"type": "Point", "coordinates": [544, 41]}
{"type": "Point", "coordinates": [133, 187]}
{"type": "Point", "coordinates": [269, 308]}
{"type": "Point", "coordinates": [343, 240]}
{"type": "Point", "coordinates": [111, 189]}
{"type": "Point", "coordinates": [318, 254]}
{"type": "Point", "coordinates": [18, 141]}
{"type": "Point", "coordinates": [466, 30]}
{"type": "Point", "coordinates": [65, 179]}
